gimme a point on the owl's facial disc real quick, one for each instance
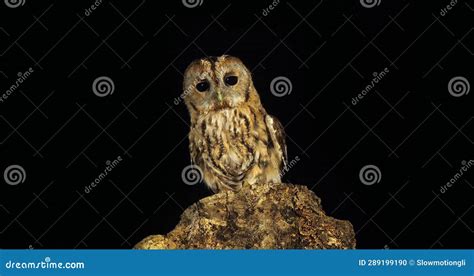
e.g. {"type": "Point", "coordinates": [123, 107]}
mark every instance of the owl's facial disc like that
{"type": "Point", "coordinates": [216, 83]}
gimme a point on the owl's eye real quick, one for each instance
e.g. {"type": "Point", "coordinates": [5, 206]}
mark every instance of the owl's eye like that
{"type": "Point", "coordinates": [202, 86]}
{"type": "Point", "coordinates": [231, 80]}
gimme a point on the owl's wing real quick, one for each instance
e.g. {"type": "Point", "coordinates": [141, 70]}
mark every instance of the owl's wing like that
{"type": "Point", "coordinates": [277, 134]}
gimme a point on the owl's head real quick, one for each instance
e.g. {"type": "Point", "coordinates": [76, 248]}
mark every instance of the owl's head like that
{"type": "Point", "coordinates": [217, 83]}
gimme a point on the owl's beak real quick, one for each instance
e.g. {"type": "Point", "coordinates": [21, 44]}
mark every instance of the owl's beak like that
{"type": "Point", "coordinates": [219, 95]}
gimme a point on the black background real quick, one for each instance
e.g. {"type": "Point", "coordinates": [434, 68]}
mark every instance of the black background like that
{"type": "Point", "coordinates": [62, 134]}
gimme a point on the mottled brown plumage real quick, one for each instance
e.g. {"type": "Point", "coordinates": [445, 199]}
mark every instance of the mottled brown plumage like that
{"type": "Point", "coordinates": [232, 138]}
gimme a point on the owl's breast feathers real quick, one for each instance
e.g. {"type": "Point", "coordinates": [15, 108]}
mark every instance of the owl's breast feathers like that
{"type": "Point", "coordinates": [236, 145]}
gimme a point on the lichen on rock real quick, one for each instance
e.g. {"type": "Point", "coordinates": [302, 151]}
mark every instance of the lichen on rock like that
{"type": "Point", "coordinates": [268, 216]}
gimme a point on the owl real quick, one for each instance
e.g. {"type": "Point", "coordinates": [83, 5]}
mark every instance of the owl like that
{"type": "Point", "coordinates": [232, 138]}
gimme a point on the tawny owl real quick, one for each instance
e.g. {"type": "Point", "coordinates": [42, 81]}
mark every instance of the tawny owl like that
{"type": "Point", "coordinates": [232, 138]}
